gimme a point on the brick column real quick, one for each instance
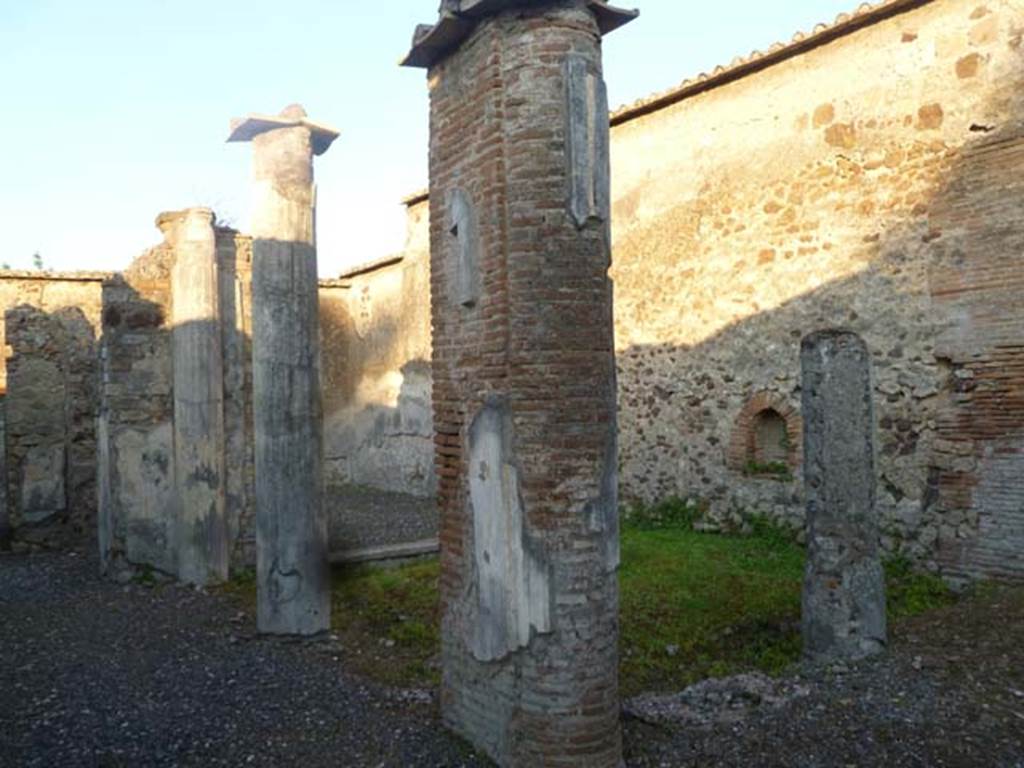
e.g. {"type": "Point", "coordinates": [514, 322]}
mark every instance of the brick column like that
{"type": "Point", "coordinates": [201, 538]}
{"type": "Point", "coordinates": [844, 587]}
{"type": "Point", "coordinates": [293, 590]}
{"type": "Point", "coordinates": [524, 377]}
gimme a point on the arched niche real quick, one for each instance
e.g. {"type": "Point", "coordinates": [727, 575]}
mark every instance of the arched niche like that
{"type": "Point", "coordinates": [767, 437]}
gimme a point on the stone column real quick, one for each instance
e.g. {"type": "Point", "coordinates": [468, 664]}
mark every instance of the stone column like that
{"type": "Point", "coordinates": [524, 377]}
{"type": "Point", "coordinates": [844, 587]}
{"type": "Point", "coordinates": [201, 539]}
{"type": "Point", "coordinates": [291, 527]}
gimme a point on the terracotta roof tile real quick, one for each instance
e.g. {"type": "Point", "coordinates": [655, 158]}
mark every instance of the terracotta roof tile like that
{"type": "Point", "coordinates": [844, 24]}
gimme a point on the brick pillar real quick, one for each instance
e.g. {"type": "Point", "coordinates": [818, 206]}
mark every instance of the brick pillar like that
{"type": "Point", "coordinates": [524, 378]}
{"type": "Point", "coordinates": [293, 590]}
{"type": "Point", "coordinates": [844, 587]}
{"type": "Point", "coordinates": [201, 538]}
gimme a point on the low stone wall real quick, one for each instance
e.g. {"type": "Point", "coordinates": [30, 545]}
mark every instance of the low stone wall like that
{"type": "Point", "coordinates": [50, 376]}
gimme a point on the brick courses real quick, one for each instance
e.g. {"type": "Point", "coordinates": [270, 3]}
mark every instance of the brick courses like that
{"type": "Point", "coordinates": [538, 347]}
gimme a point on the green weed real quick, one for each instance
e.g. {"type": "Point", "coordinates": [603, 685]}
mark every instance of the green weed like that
{"type": "Point", "coordinates": [778, 470]}
{"type": "Point", "coordinates": [693, 605]}
{"type": "Point", "coordinates": [670, 513]}
{"type": "Point", "coordinates": [910, 592]}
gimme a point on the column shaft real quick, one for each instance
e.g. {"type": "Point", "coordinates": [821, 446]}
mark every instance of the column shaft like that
{"type": "Point", "coordinates": [201, 526]}
{"type": "Point", "coordinates": [844, 588]}
{"type": "Point", "coordinates": [293, 583]}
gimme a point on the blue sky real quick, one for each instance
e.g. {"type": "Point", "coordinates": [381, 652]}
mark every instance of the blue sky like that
{"type": "Point", "coordinates": [116, 110]}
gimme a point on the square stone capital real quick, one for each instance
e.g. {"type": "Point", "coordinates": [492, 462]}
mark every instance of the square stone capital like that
{"type": "Point", "coordinates": [458, 18]}
{"type": "Point", "coordinates": [187, 224]}
{"type": "Point", "coordinates": [249, 127]}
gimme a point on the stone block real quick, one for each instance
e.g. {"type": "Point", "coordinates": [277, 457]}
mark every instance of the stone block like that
{"type": "Point", "coordinates": [843, 615]}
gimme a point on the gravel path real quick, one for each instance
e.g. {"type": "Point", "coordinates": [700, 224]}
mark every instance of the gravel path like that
{"type": "Point", "coordinates": [95, 674]}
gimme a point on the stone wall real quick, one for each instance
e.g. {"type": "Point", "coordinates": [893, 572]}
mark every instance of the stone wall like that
{"type": "Point", "coordinates": [978, 279]}
{"type": "Point", "coordinates": [375, 324]}
{"type": "Point", "coordinates": [136, 455]}
{"type": "Point", "coordinates": [234, 263]}
{"type": "Point", "coordinates": [50, 380]}
{"type": "Point", "coordinates": [378, 431]}
{"type": "Point", "coordinates": [138, 495]}
{"type": "Point", "coordinates": [865, 177]}
{"type": "Point", "coordinates": [870, 183]}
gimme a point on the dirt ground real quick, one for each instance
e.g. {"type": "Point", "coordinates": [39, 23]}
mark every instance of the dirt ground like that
{"type": "Point", "coordinates": [99, 674]}
{"type": "Point", "coordinates": [949, 693]}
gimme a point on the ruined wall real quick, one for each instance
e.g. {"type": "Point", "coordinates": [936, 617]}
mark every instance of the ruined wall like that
{"type": "Point", "coordinates": [60, 329]}
{"type": "Point", "coordinates": [136, 469]}
{"type": "Point", "coordinates": [6, 533]}
{"type": "Point", "coordinates": [379, 429]}
{"type": "Point", "coordinates": [50, 378]}
{"type": "Point", "coordinates": [375, 324]}
{"type": "Point", "coordinates": [871, 183]}
{"type": "Point", "coordinates": [136, 425]}
{"type": "Point", "coordinates": [234, 263]}
{"type": "Point", "coordinates": [978, 279]}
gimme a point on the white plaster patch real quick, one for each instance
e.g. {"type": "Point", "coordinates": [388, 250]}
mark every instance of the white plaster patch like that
{"type": "Point", "coordinates": [42, 484]}
{"type": "Point", "coordinates": [145, 470]}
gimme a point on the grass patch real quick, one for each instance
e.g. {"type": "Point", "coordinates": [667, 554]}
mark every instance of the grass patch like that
{"type": "Point", "coordinates": [242, 585]}
{"type": "Point", "coordinates": [693, 605]}
{"type": "Point", "coordinates": [706, 605]}
{"type": "Point", "coordinates": [910, 593]}
{"type": "Point", "coordinates": [389, 621]}
{"type": "Point", "coordinates": [146, 576]}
